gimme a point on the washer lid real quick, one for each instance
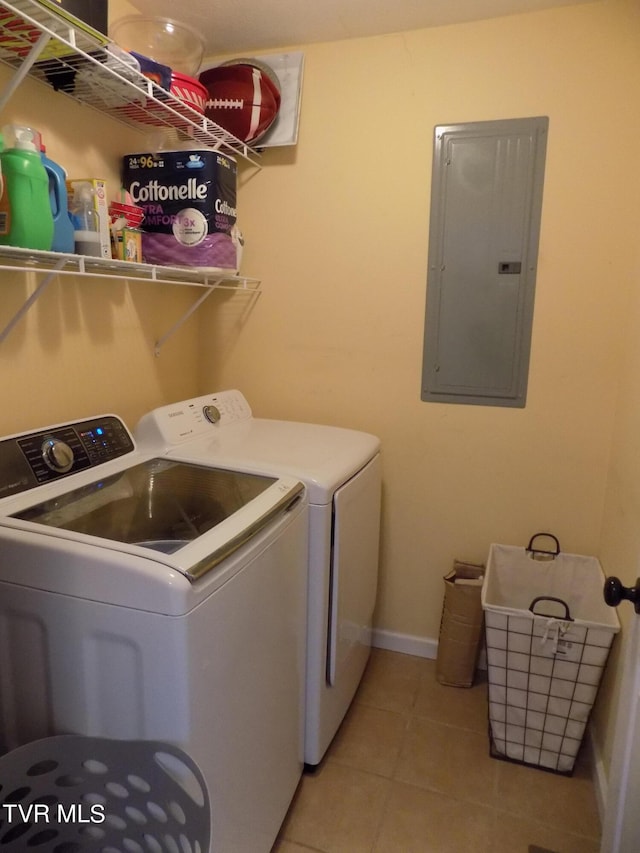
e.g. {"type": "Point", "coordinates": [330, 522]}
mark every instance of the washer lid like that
{"type": "Point", "coordinates": [165, 506]}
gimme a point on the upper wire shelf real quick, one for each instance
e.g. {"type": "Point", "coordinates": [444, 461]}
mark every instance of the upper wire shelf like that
{"type": "Point", "coordinates": [75, 59]}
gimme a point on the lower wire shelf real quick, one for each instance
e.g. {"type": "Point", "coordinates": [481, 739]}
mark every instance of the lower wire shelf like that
{"type": "Point", "coordinates": [53, 264]}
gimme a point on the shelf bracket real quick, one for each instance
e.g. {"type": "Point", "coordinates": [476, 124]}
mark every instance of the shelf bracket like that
{"type": "Point", "coordinates": [24, 70]}
{"type": "Point", "coordinates": [37, 293]}
{"type": "Point", "coordinates": [162, 341]}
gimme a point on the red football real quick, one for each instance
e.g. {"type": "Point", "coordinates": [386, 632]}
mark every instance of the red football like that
{"type": "Point", "coordinates": [242, 97]}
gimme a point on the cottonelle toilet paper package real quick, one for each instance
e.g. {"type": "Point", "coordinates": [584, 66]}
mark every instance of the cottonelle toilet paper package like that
{"type": "Point", "coordinates": [189, 202]}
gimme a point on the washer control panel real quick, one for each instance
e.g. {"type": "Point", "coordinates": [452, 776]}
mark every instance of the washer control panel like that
{"type": "Point", "coordinates": [30, 459]}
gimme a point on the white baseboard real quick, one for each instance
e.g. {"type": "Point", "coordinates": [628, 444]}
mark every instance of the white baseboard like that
{"type": "Point", "coordinates": [407, 644]}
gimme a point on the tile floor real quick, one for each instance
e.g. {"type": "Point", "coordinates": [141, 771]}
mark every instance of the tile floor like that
{"type": "Point", "coordinates": [409, 772]}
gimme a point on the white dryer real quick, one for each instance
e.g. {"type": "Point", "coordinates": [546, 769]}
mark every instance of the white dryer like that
{"type": "Point", "coordinates": [148, 597]}
{"type": "Point", "coordinates": [341, 471]}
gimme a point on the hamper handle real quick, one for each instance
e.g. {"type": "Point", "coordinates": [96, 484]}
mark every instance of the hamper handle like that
{"type": "Point", "coordinates": [567, 615]}
{"type": "Point", "coordinates": [533, 551]}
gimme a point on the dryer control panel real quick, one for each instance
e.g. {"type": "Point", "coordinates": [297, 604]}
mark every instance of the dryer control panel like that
{"type": "Point", "coordinates": [31, 459]}
{"type": "Point", "coordinates": [188, 419]}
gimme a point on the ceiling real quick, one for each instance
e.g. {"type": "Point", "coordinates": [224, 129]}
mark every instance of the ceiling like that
{"type": "Point", "coordinates": [239, 26]}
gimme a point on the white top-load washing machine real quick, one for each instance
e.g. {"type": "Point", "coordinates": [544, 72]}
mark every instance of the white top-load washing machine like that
{"type": "Point", "coordinates": [149, 597]}
{"type": "Point", "coordinates": [341, 471]}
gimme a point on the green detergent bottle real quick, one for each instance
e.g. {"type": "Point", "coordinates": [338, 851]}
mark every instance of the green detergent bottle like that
{"type": "Point", "coordinates": [26, 219]}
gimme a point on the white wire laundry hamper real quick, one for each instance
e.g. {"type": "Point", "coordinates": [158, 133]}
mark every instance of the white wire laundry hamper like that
{"type": "Point", "coordinates": [548, 633]}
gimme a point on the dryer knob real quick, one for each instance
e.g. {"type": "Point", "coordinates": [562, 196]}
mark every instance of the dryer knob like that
{"type": "Point", "coordinates": [212, 414]}
{"type": "Point", "coordinates": [57, 455]}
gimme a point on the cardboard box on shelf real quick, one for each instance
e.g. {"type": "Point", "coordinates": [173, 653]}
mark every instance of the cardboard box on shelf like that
{"type": "Point", "coordinates": [461, 625]}
{"type": "Point", "coordinates": [95, 13]}
{"type": "Point", "coordinates": [86, 16]}
{"type": "Point", "coordinates": [127, 245]}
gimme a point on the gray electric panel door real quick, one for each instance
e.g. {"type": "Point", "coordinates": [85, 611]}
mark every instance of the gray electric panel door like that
{"type": "Point", "coordinates": [486, 202]}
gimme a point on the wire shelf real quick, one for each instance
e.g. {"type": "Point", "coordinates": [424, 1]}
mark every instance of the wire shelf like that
{"type": "Point", "coordinates": [53, 264]}
{"type": "Point", "coordinates": [13, 259]}
{"type": "Point", "coordinates": [85, 65]}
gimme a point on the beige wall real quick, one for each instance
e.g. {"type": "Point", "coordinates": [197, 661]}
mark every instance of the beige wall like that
{"type": "Point", "coordinates": [337, 229]}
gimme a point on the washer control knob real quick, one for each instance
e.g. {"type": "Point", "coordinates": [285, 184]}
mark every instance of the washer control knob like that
{"type": "Point", "coordinates": [212, 414]}
{"type": "Point", "coordinates": [58, 456]}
